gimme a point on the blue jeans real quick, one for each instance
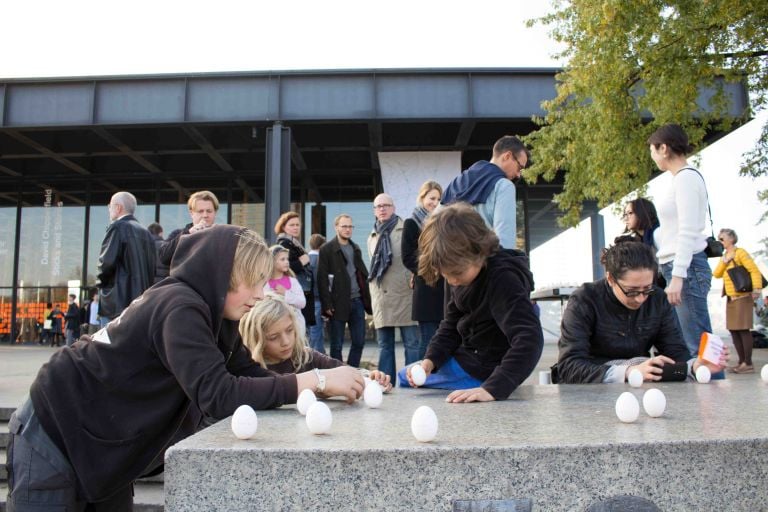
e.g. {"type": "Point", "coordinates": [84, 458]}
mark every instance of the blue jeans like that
{"type": "Point", "coordinates": [386, 338]}
{"type": "Point", "coordinates": [426, 330]}
{"type": "Point", "coordinates": [692, 312]}
{"type": "Point", "coordinates": [450, 376]}
{"type": "Point", "coordinates": [317, 331]}
{"type": "Point", "coordinates": [356, 330]}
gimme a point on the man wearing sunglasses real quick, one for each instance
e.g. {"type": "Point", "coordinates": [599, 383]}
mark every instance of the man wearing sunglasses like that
{"type": "Point", "coordinates": [611, 326]}
{"type": "Point", "coordinates": [489, 188]}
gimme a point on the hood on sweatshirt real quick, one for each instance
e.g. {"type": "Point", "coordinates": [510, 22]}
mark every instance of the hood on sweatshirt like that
{"type": "Point", "coordinates": [473, 185]}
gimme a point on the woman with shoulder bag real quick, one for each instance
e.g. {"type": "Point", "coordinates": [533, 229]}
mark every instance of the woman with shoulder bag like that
{"type": "Point", "coordinates": [288, 231]}
{"type": "Point", "coordinates": [738, 308]}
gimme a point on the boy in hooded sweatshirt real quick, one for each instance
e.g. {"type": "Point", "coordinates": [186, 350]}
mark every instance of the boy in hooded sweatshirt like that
{"type": "Point", "coordinates": [490, 339]}
{"type": "Point", "coordinates": [101, 411]}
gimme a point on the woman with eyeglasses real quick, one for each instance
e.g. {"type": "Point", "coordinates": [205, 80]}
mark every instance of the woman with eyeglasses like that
{"type": "Point", "coordinates": [611, 325]}
{"type": "Point", "coordinates": [681, 238]}
{"type": "Point", "coordinates": [641, 220]}
{"type": "Point", "coordinates": [738, 309]}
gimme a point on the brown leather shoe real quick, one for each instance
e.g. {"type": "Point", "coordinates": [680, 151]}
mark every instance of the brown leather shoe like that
{"type": "Point", "coordinates": [744, 368]}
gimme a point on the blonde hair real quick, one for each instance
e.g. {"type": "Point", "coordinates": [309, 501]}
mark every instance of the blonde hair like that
{"type": "Point", "coordinates": [426, 188]}
{"type": "Point", "coordinates": [203, 195]}
{"type": "Point", "coordinates": [253, 262]}
{"type": "Point", "coordinates": [283, 220]}
{"type": "Point", "coordinates": [255, 324]}
{"type": "Point", "coordinates": [275, 250]}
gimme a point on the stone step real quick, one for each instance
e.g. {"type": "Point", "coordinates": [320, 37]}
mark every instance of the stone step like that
{"type": "Point", "coordinates": [3, 469]}
{"type": "Point", "coordinates": [3, 435]}
{"type": "Point", "coordinates": [148, 497]}
{"type": "Point", "coordinates": [5, 412]}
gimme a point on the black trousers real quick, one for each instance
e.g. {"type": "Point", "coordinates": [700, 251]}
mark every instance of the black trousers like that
{"type": "Point", "coordinates": [40, 478]}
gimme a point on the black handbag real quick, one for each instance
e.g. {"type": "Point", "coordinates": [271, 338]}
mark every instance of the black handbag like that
{"type": "Point", "coordinates": [714, 248]}
{"type": "Point", "coordinates": [742, 280]}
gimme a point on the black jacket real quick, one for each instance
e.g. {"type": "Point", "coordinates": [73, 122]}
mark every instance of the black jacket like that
{"type": "Point", "coordinates": [161, 269]}
{"type": "Point", "coordinates": [597, 328]}
{"type": "Point", "coordinates": [332, 261]}
{"type": "Point", "coordinates": [72, 317]}
{"type": "Point", "coordinates": [428, 301]}
{"type": "Point", "coordinates": [126, 265]}
{"type": "Point", "coordinates": [113, 403]}
{"type": "Point", "coordinates": [166, 249]}
{"type": "Point", "coordinates": [490, 326]}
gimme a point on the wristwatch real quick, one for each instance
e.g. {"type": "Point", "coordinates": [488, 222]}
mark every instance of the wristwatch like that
{"type": "Point", "coordinates": [320, 388]}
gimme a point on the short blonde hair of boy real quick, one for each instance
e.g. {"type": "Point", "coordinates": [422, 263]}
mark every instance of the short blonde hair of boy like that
{"type": "Point", "coordinates": [426, 188]}
{"type": "Point", "coordinates": [277, 249]}
{"type": "Point", "coordinates": [283, 220]}
{"type": "Point", "coordinates": [253, 262]}
{"type": "Point", "coordinates": [257, 322]}
{"type": "Point", "coordinates": [454, 236]}
{"type": "Point", "coordinates": [203, 195]}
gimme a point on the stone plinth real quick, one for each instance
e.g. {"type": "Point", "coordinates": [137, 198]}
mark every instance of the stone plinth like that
{"type": "Point", "coordinates": [561, 446]}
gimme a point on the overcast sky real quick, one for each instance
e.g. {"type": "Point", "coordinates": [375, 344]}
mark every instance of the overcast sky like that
{"type": "Point", "coordinates": [45, 38]}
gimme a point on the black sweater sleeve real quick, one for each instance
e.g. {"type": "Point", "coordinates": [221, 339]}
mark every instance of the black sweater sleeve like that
{"type": "Point", "coordinates": [410, 245]}
{"type": "Point", "coordinates": [575, 365]}
{"type": "Point", "coordinates": [168, 247]}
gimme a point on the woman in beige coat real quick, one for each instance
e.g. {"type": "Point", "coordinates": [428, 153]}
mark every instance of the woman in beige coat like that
{"type": "Point", "coordinates": [389, 284]}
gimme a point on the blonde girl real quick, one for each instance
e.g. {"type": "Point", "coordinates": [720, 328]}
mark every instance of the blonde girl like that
{"type": "Point", "coordinates": [274, 333]}
{"type": "Point", "coordinates": [283, 281]}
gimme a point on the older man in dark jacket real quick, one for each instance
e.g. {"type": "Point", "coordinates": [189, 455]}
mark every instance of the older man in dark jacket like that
{"type": "Point", "coordinates": [344, 294]}
{"type": "Point", "coordinates": [127, 259]}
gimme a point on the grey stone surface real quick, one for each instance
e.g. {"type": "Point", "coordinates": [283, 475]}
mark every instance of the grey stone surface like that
{"type": "Point", "coordinates": [561, 446]}
{"type": "Point", "coordinates": [524, 505]}
{"type": "Point", "coordinates": [624, 504]}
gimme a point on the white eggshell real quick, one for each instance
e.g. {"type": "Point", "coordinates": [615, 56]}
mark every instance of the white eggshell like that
{"type": "Point", "coordinates": [627, 407]}
{"type": "Point", "coordinates": [319, 418]}
{"type": "Point", "coordinates": [703, 374]}
{"type": "Point", "coordinates": [306, 399]}
{"type": "Point", "coordinates": [373, 395]}
{"type": "Point", "coordinates": [418, 375]}
{"type": "Point", "coordinates": [764, 373]}
{"type": "Point", "coordinates": [424, 424]}
{"type": "Point", "coordinates": [244, 422]}
{"type": "Point", "coordinates": [654, 402]}
{"type": "Point", "coordinates": [635, 378]}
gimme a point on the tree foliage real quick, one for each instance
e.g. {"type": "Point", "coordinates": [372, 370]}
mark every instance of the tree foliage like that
{"type": "Point", "coordinates": [633, 66]}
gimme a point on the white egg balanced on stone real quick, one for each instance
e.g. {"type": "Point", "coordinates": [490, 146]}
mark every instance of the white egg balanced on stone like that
{"type": "Point", "coordinates": [418, 375]}
{"type": "Point", "coordinates": [319, 418]}
{"type": "Point", "coordinates": [627, 407]}
{"type": "Point", "coordinates": [305, 400]}
{"type": "Point", "coordinates": [654, 402]}
{"type": "Point", "coordinates": [244, 422]}
{"type": "Point", "coordinates": [424, 424]}
{"type": "Point", "coordinates": [373, 395]}
{"type": "Point", "coordinates": [635, 378]}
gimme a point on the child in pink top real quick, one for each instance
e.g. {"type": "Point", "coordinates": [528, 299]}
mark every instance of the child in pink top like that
{"type": "Point", "coordinates": [283, 281]}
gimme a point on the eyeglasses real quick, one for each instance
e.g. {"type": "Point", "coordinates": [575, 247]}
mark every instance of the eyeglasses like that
{"type": "Point", "coordinates": [346, 226]}
{"type": "Point", "coordinates": [635, 293]}
{"type": "Point", "coordinates": [627, 214]}
{"type": "Point", "coordinates": [518, 161]}
{"type": "Point", "coordinates": [721, 239]}
{"type": "Point", "coordinates": [381, 206]}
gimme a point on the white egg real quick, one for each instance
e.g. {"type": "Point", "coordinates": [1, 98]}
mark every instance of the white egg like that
{"type": "Point", "coordinates": [703, 374]}
{"type": "Point", "coordinates": [654, 402]}
{"type": "Point", "coordinates": [627, 407]}
{"type": "Point", "coordinates": [418, 375]}
{"type": "Point", "coordinates": [306, 398]}
{"type": "Point", "coordinates": [635, 378]}
{"type": "Point", "coordinates": [244, 422]}
{"type": "Point", "coordinates": [764, 373]}
{"type": "Point", "coordinates": [424, 424]}
{"type": "Point", "coordinates": [319, 418]}
{"type": "Point", "coordinates": [373, 395]}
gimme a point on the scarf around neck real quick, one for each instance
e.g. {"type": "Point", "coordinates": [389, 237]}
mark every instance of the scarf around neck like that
{"type": "Point", "coordinates": [419, 215]}
{"type": "Point", "coordinates": [382, 255]}
{"type": "Point", "coordinates": [294, 241]}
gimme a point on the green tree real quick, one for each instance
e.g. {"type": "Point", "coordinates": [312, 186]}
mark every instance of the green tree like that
{"type": "Point", "coordinates": [633, 66]}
